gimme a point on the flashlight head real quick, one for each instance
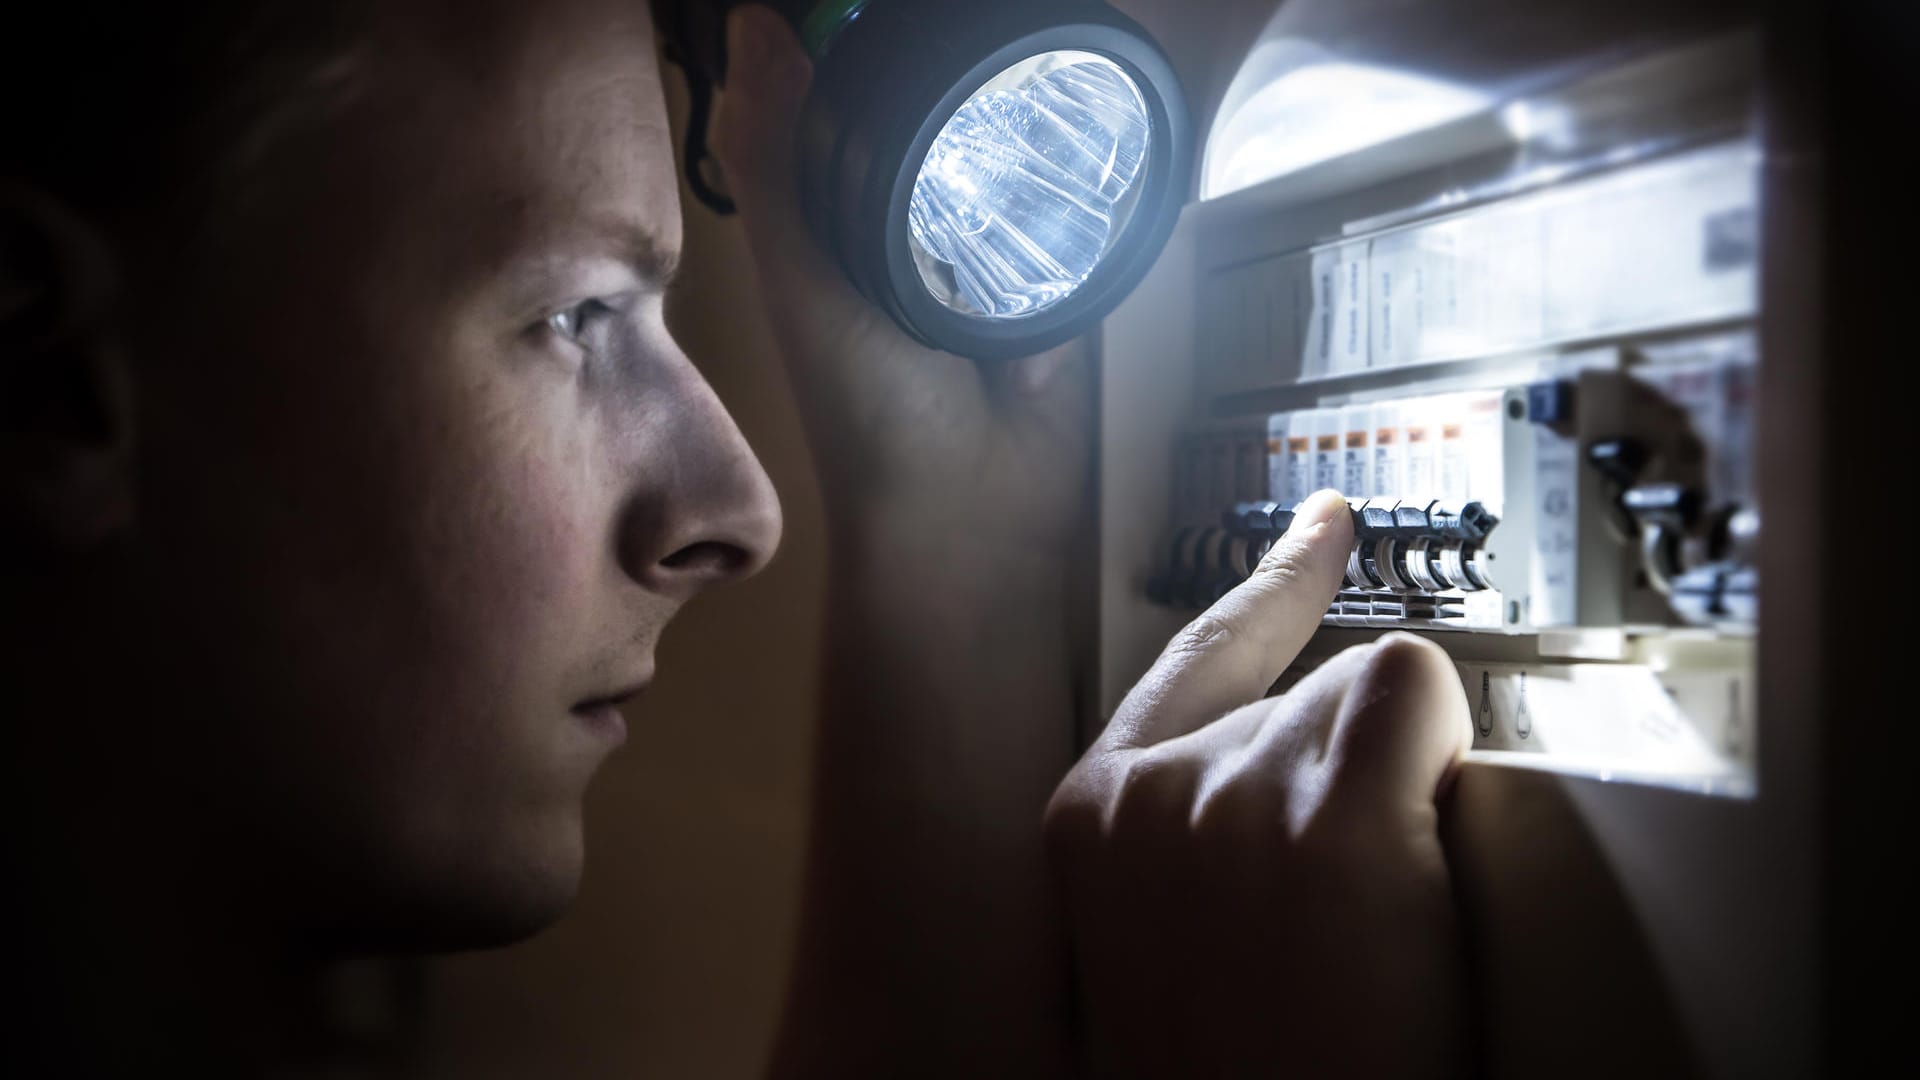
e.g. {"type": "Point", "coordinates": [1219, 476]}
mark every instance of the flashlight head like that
{"type": "Point", "coordinates": [995, 176]}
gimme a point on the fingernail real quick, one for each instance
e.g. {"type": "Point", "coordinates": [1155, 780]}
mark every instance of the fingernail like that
{"type": "Point", "coordinates": [1320, 508]}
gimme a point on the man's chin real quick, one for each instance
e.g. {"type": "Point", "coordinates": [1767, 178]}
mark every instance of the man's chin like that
{"type": "Point", "coordinates": [469, 924]}
{"type": "Point", "coordinates": [508, 921]}
{"type": "Point", "coordinates": [485, 907]}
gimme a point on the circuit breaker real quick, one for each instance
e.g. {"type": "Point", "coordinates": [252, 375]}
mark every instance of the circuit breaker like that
{"type": "Point", "coordinates": [1533, 375]}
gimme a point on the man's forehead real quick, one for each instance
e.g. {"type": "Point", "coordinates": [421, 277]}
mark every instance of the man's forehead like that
{"type": "Point", "coordinates": [552, 123]}
{"type": "Point", "coordinates": [494, 31]}
{"type": "Point", "coordinates": [595, 59]}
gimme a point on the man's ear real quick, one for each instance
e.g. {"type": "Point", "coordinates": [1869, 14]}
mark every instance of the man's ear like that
{"type": "Point", "coordinates": [66, 423]}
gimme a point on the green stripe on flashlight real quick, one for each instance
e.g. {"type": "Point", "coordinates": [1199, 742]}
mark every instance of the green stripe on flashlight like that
{"type": "Point", "coordinates": [825, 21]}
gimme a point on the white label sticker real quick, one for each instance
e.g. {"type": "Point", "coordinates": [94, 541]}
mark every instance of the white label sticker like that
{"type": "Point", "coordinates": [1556, 531]}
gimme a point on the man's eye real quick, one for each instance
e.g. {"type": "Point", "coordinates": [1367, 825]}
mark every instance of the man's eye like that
{"type": "Point", "coordinates": [575, 321]}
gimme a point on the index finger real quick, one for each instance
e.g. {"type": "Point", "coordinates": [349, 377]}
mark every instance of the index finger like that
{"type": "Point", "coordinates": [1233, 653]}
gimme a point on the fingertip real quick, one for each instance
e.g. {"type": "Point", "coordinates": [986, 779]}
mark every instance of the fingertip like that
{"type": "Point", "coordinates": [1320, 537]}
{"type": "Point", "coordinates": [1325, 507]}
{"type": "Point", "coordinates": [1326, 520]}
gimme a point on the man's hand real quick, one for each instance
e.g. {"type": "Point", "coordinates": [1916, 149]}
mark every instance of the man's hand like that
{"type": "Point", "coordinates": [1256, 887]}
{"type": "Point", "coordinates": [996, 452]}
{"type": "Point", "coordinates": [930, 944]}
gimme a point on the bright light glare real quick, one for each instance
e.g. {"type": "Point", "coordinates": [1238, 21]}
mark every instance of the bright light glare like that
{"type": "Point", "coordinates": [1029, 184]}
{"type": "Point", "coordinates": [1320, 110]}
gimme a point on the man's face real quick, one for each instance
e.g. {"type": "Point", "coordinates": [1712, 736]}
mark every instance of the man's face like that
{"type": "Point", "coordinates": [424, 475]}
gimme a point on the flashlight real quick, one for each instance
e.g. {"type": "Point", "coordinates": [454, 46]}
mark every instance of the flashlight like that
{"type": "Point", "coordinates": [996, 176]}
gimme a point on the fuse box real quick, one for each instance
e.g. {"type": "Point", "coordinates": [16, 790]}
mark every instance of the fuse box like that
{"type": "Point", "coordinates": [1528, 361]}
{"type": "Point", "coordinates": [1559, 332]}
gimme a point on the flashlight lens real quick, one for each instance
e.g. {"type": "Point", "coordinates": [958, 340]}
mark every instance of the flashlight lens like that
{"type": "Point", "coordinates": [1029, 185]}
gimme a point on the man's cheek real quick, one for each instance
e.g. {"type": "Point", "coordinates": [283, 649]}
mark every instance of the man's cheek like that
{"type": "Point", "coordinates": [513, 537]}
{"type": "Point", "coordinates": [541, 539]}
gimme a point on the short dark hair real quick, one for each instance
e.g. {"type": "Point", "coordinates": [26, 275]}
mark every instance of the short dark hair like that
{"type": "Point", "coordinates": [125, 106]}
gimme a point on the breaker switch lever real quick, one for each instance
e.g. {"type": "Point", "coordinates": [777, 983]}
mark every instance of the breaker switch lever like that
{"type": "Point", "coordinates": [1619, 460]}
{"type": "Point", "coordinates": [1663, 513]}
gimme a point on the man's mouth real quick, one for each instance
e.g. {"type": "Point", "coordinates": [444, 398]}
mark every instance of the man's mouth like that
{"type": "Point", "coordinates": [613, 700]}
{"type": "Point", "coordinates": [603, 713]}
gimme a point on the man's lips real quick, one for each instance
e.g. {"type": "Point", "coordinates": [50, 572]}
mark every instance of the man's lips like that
{"type": "Point", "coordinates": [603, 713]}
{"type": "Point", "coordinates": [613, 700]}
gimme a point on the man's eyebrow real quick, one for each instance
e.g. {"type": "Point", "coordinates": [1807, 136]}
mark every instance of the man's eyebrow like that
{"type": "Point", "coordinates": [621, 241]}
{"type": "Point", "coordinates": [643, 250]}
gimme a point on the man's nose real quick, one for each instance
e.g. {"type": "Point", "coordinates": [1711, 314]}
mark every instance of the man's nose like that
{"type": "Point", "coordinates": [712, 515]}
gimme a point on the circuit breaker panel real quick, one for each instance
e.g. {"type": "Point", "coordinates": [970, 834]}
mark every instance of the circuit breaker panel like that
{"type": "Point", "coordinates": [1523, 346]}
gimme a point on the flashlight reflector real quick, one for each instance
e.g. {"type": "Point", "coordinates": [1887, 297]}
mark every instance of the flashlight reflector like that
{"type": "Point", "coordinates": [1029, 185]}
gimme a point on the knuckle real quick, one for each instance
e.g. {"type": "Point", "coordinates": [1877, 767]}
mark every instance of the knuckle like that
{"type": "Point", "coordinates": [1354, 655]}
{"type": "Point", "coordinates": [1148, 776]}
{"type": "Point", "coordinates": [1075, 820]}
{"type": "Point", "coordinates": [1212, 630]}
{"type": "Point", "coordinates": [1119, 799]}
{"type": "Point", "coordinates": [1250, 810]}
{"type": "Point", "coordinates": [1150, 799]}
{"type": "Point", "coordinates": [1399, 663]}
{"type": "Point", "coordinates": [1400, 695]}
{"type": "Point", "coordinates": [1235, 815]}
{"type": "Point", "coordinates": [1244, 803]}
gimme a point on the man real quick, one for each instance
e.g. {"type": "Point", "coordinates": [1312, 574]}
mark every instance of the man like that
{"type": "Point", "coordinates": [352, 476]}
